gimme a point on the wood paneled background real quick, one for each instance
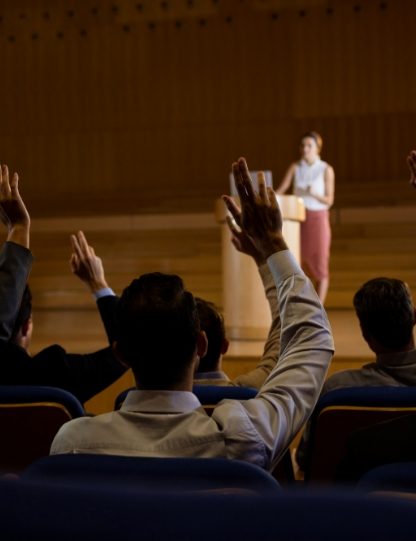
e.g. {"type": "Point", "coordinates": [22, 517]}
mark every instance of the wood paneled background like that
{"type": "Point", "coordinates": [116, 109]}
{"type": "Point", "coordinates": [140, 106]}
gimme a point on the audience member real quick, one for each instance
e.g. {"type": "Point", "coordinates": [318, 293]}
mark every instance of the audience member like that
{"type": "Point", "coordinates": [15, 256]}
{"type": "Point", "coordinates": [209, 370]}
{"type": "Point", "coordinates": [386, 313]}
{"type": "Point", "coordinates": [83, 375]}
{"type": "Point", "coordinates": [160, 338]}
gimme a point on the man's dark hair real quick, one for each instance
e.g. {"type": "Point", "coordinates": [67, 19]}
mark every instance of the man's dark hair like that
{"type": "Point", "coordinates": [158, 327]}
{"type": "Point", "coordinates": [212, 323]}
{"type": "Point", "coordinates": [384, 307]}
{"type": "Point", "coordinates": [24, 313]}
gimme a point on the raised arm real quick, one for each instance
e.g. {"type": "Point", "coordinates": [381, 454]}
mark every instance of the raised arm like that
{"type": "Point", "coordinates": [15, 258]}
{"type": "Point", "coordinates": [243, 243]}
{"type": "Point", "coordinates": [89, 268]}
{"type": "Point", "coordinates": [86, 265]}
{"type": "Point", "coordinates": [13, 212]}
{"type": "Point", "coordinates": [289, 394]}
{"type": "Point", "coordinates": [287, 180]}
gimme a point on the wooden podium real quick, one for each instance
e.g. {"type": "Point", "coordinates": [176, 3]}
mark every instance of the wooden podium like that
{"type": "Point", "coordinates": [246, 310]}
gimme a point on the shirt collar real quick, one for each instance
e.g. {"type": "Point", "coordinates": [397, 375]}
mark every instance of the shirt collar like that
{"type": "Point", "coordinates": [160, 401]}
{"type": "Point", "coordinates": [397, 359]}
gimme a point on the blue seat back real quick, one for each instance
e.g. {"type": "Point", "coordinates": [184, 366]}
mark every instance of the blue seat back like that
{"type": "Point", "coordinates": [30, 417]}
{"type": "Point", "coordinates": [150, 474]}
{"type": "Point", "coordinates": [34, 511]}
{"type": "Point", "coordinates": [341, 413]}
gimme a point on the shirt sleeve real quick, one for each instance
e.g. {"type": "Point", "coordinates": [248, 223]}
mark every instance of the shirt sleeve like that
{"type": "Point", "coordinates": [290, 392]}
{"type": "Point", "coordinates": [255, 378]}
{"type": "Point", "coordinates": [15, 265]}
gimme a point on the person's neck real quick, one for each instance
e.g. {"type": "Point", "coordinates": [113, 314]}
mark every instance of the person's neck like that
{"type": "Point", "coordinates": [186, 384]}
{"type": "Point", "coordinates": [311, 161]}
{"type": "Point", "coordinates": [380, 350]}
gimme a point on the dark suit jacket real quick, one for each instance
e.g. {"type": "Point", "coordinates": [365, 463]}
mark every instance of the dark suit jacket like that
{"type": "Point", "coordinates": [15, 265]}
{"type": "Point", "coordinates": [82, 375]}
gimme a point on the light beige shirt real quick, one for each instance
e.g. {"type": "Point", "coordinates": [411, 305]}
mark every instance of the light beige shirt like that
{"type": "Point", "coordinates": [173, 423]}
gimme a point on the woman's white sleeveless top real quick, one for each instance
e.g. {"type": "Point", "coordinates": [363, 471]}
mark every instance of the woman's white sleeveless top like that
{"type": "Point", "coordinates": [310, 176]}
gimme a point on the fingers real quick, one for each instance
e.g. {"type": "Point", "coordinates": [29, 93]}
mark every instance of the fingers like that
{"type": "Point", "coordinates": [243, 181]}
{"type": "Point", "coordinates": [238, 181]}
{"type": "Point", "coordinates": [81, 247]}
{"type": "Point", "coordinates": [232, 226]}
{"type": "Point", "coordinates": [75, 245]}
{"type": "Point", "coordinates": [74, 262]}
{"type": "Point", "coordinates": [14, 186]}
{"type": "Point", "coordinates": [263, 193]}
{"type": "Point", "coordinates": [232, 207]}
{"type": "Point", "coordinates": [85, 248]}
{"type": "Point", "coordinates": [5, 186]}
{"type": "Point", "coordinates": [272, 198]}
{"type": "Point", "coordinates": [246, 179]}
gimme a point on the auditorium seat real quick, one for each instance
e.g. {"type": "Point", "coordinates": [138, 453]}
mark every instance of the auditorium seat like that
{"type": "Point", "coordinates": [33, 511]}
{"type": "Point", "coordinates": [398, 478]}
{"type": "Point", "coordinates": [153, 474]}
{"type": "Point", "coordinates": [30, 416]}
{"type": "Point", "coordinates": [343, 419]}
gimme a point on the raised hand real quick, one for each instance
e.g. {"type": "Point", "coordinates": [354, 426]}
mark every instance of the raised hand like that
{"type": "Point", "coordinates": [241, 241]}
{"type": "Point", "coordinates": [85, 264]}
{"type": "Point", "coordinates": [13, 212]}
{"type": "Point", "coordinates": [259, 216]}
{"type": "Point", "coordinates": [411, 162]}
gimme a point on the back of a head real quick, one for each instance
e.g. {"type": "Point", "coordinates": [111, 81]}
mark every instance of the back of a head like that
{"type": "Point", "coordinates": [385, 309]}
{"type": "Point", "coordinates": [24, 313]}
{"type": "Point", "coordinates": [212, 323]}
{"type": "Point", "coordinates": [158, 327]}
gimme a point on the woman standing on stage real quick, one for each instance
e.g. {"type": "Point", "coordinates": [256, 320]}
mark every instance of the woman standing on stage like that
{"type": "Point", "coordinates": [313, 181]}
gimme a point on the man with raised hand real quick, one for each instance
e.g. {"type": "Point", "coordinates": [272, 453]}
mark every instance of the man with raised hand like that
{"type": "Point", "coordinates": [210, 366]}
{"type": "Point", "coordinates": [160, 338]}
{"type": "Point", "coordinates": [15, 256]}
{"type": "Point", "coordinates": [83, 375]}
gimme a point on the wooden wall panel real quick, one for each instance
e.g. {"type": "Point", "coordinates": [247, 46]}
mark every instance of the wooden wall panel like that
{"type": "Point", "coordinates": [111, 108]}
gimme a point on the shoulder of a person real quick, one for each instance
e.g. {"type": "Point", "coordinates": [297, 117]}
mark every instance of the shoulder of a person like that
{"type": "Point", "coordinates": [346, 378]}
{"type": "Point", "coordinates": [53, 351]}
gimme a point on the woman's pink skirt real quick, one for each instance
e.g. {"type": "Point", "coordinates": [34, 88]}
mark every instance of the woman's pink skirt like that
{"type": "Point", "coordinates": [315, 238]}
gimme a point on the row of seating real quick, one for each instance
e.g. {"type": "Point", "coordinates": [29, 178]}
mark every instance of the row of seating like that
{"type": "Point", "coordinates": [40, 411]}
{"type": "Point", "coordinates": [34, 510]}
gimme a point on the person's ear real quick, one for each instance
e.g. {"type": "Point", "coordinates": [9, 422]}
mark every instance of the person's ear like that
{"type": "Point", "coordinates": [224, 346]}
{"type": "Point", "coordinates": [27, 327]}
{"type": "Point", "coordinates": [115, 348]}
{"type": "Point", "coordinates": [201, 344]}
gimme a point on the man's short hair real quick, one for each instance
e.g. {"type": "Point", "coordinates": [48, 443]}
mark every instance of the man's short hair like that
{"type": "Point", "coordinates": [24, 313]}
{"type": "Point", "coordinates": [212, 323]}
{"type": "Point", "coordinates": [385, 309]}
{"type": "Point", "coordinates": [158, 327]}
